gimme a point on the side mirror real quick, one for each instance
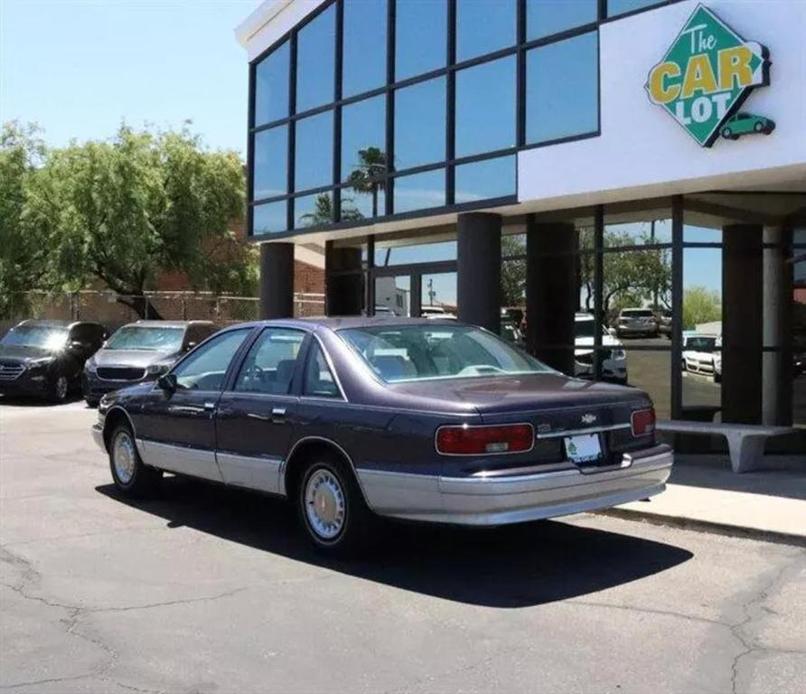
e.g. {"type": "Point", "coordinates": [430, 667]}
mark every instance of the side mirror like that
{"type": "Point", "coordinates": [167, 382]}
{"type": "Point", "coordinates": [75, 345]}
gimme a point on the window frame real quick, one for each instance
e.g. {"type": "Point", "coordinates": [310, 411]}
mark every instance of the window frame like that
{"type": "Point", "coordinates": [449, 70]}
{"type": "Point", "coordinates": [315, 346]}
{"type": "Point", "coordinates": [235, 361]}
{"type": "Point", "coordinates": [253, 342]}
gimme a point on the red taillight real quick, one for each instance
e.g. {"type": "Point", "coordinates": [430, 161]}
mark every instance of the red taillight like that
{"type": "Point", "coordinates": [643, 422]}
{"type": "Point", "coordinates": [482, 440]}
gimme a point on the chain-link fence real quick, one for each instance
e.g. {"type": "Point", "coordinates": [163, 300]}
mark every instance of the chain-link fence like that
{"type": "Point", "coordinates": [114, 310]}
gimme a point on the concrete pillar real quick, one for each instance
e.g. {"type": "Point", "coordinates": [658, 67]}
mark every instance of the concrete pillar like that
{"type": "Point", "coordinates": [552, 293]}
{"type": "Point", "coordinates": [742, 305]}
{"type": "Point", "coordinates": [478, 280]}
{"type": "Point", "coordinates": [777, 383]}
{"type": "Point", "coordinates": [276, 280]}
{"type": "Point", "coordinates": [344, 281]}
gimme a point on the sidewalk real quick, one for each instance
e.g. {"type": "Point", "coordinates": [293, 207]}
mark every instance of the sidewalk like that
{"type": "Point", "coordinates": [704, 493]}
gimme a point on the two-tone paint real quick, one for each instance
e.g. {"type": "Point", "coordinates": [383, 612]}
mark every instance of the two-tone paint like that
{"type": "Point", "coordinates": [386, 433]}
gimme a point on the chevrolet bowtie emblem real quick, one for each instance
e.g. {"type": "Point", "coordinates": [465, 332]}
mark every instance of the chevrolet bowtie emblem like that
{"type": "Point", "coordinates": [588, 418]}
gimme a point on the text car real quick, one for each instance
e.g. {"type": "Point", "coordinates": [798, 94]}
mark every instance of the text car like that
{"type": "Point", "coordinates": [44, 358]}
{"type": "Point", "coordinates": [407, 418]}
{"type": "Point", "coordinates": [140, 351]}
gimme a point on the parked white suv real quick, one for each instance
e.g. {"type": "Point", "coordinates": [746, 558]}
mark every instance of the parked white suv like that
{"type": "Point", "coordinates": [614, 364]}
{"type": "Point", "coordinates": [701, 354]}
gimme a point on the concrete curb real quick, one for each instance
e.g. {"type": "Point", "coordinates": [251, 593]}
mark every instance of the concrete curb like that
{"type": "Point", "coordinates": [706, 526]}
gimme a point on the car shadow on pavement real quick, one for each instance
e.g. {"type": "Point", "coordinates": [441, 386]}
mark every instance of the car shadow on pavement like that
{"type": "Point", "coordinates": [513, 566]}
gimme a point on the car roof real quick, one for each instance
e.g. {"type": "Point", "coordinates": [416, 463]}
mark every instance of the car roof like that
{"type": "Point", "coordinates": [53, 323]}
{"type": "Point", "coordinates": [346, 322]}
{"type": "Point", "coordinates": [169, 323]}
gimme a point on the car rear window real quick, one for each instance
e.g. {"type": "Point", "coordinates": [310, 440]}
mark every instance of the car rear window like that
{"type": "Point", "coordinates": [636, 313]}
{"type": "Point", "coordinates": [419, 352]}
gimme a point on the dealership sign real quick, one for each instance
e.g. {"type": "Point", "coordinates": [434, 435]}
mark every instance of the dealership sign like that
{"type": "Point", "coordinates": [706, 76]}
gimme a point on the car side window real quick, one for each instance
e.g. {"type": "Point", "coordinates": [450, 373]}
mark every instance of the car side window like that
{"type": "Point", "coordinates": [269, 366]}
{"type": "Point", "coordinates": [319, 380]}
{"type": "Point", "coordinates": [206, 368]}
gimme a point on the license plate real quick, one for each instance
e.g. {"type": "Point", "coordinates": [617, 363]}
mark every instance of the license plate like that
{"type": "Point", "coordinates": [583, 448]}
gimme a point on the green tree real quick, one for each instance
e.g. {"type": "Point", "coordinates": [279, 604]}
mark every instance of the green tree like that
{"type": "Point", "coordinates": [368, 175]}
{"type": "Point", "coordinates": [700, 305]}
{"type": "Point", "coordinates": [323, 211]}
{"type": "Point", "coordinates": [24, 245]}
{"type": "Point", "coordinates": [144, 202]}
{"type": "Point", "coordinates": [513, 272]}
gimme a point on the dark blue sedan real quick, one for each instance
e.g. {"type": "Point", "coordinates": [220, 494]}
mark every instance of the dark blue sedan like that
{"type": "Point", "coordinates": [353, 418]}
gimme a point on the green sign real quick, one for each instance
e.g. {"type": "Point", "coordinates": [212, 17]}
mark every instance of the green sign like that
{"type": "Point", "coordinates": [706, 76]}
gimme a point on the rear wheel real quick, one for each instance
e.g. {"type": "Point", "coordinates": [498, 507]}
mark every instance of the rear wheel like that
{"type": "Point", "coordinates": [332, 509]}
{"type": "Point", "coordinates": [130, 475]}
{"type": "Point", "coordinates": [758, 127]}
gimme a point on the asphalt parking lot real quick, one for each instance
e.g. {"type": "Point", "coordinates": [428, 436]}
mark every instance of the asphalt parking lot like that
{"type": "Point", "coordinates": [209, 590]}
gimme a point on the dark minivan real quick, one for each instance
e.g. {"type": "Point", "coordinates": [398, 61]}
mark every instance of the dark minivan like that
{"type": "Point", "coordinates": [139, 352]}
{"type": "Point", "coordinates": [44, 358]}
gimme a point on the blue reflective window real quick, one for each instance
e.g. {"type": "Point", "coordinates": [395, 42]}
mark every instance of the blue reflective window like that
{"type": "Point", "coordinates": [616, 7]}
{"type": "Point", "coordinates": [363, 158]}
{"type": "Point", "coordinates": [483, 26]}
{"type": "Point", "coordinates": [420, 124]}
{"type": "Point", "coordinates": [313, 159]}
{"type": "Point", "coordinates": [546, 17]}
{"type": "Point", "coordinates": [485, 107]}
{"type": "Point", "coordinates": [364, 46]}
{"type": "Point", "coordinates": [363, 203]}
{"type": "Point", "coordinates": [419, 191]}
{"type": "Point", "coordinates": [271, 86]}
{"type": "Point", "coordinates": [363, 137]}
{"type": "Point", "coordinates": [269, 218]}
{"type": "Point", "coordinates": [482, 180]}
{"type": "Point", "coordinates": [270, 176]}
{"type": "Point", "coordinates": [313, 210]}
{"type": "Point", "coordinates": [421, 29]}
{"type": "Point", "coordinates": [557, 108]}
{"type": "Point", "coordinates": [315, 54]}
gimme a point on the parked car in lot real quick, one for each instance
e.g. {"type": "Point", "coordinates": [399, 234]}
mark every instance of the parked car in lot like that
{"type": "Point", "coordinates": [664, 321]}
{"type": "Point", "coordinates": [614, 358]}
{"type": "Point", "coordinates": [353, 418]}
{"type": "Point", "coordinates": [44, 358]}
{"type": "Point", "coordinates": [699, 353]}
{"type": "Point", "coordinates": [140, 351]}
{"type": "Point", "coordinates": [636, 322]}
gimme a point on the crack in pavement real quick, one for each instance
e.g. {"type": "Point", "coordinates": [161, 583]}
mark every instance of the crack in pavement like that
{"type": "Point", "coordinates": [649, 610]}
{"type": "Point", "coordinates": [754, 611]}
{"type": "Point", "coordinates": [75, 613]}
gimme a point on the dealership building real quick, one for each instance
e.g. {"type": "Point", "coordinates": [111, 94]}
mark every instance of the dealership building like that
{"type": "Point", "coordinates": [563, 159]}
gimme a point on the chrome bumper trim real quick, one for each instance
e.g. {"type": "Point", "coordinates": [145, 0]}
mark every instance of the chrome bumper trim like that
{"type": "Point", "coordinates": [516, 499]}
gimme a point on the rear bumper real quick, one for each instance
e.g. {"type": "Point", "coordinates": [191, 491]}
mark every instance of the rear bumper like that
{"type": "Point", "coordinates": [519, 498]}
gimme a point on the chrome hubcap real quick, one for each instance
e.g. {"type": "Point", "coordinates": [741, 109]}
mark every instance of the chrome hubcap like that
{"type": "Point", "coordinates": [325, 506]}
{"type": "Point", "coordinates": [61, 387]}
{"type": "Point", "coordinates": [123, 457]}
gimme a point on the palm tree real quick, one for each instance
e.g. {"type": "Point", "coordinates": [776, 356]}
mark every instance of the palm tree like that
{"type": "Point", "coordinates": [323, 211]}
{"type": "Point", "coordinates": [368, 176]}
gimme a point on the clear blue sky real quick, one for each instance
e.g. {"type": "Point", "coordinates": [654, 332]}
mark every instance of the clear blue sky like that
{"type": "Point", "coordinates": [81, 67]}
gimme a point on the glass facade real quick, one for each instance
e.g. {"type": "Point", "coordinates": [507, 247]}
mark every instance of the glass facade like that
{"type": "Point", "coordinates": [369, 95]}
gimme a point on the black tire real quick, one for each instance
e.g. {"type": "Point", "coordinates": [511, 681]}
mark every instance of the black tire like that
{"type": "Point", "coordinates": [142, 481]}
{"type": "Point", "coordinates": [59, 388]}
{"type": "Point", "coordinates": [727, 133]}
{"type": "Point", "coordinates": [356, 523]}
{"type": "Point", "coordinates": [758, 127]}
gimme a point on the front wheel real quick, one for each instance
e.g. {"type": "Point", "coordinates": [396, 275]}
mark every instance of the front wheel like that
{"type": "Point", "coordinates": [332, 509]}
{"type": "Point", "coordinates": [130, 475]}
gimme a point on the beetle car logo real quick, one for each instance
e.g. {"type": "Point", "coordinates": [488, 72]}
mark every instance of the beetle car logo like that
{"type": "Point", "coordinates": [706, 76]}
{"type": "Point", "coordinates": [588, 418]}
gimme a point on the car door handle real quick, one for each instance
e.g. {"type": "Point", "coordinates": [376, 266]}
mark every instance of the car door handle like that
{"type": "Point", "coordinates": [277, 414]}
{"type": "Point", "coordinates": [209, 406]}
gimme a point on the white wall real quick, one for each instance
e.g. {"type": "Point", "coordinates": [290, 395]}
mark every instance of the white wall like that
{"type": "Point", "coordinates": [642, 151]}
